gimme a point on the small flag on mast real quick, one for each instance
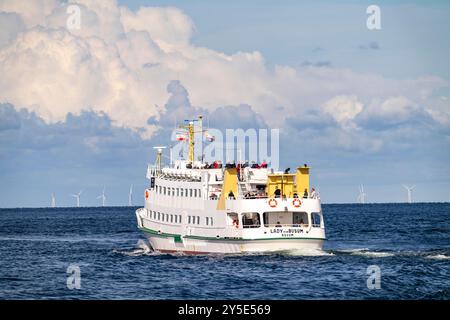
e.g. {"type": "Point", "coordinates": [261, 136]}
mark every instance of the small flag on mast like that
{"type": "Point", "coordinates": [181, 136]}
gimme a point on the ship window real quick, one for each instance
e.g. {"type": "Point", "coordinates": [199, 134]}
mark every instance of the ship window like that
{"type": "Point", "coordinates": [190, 193]}
{"type": "Point", "coordinates": [195, 193]}
{"type": "Point", "coordinates": [178, 192]}
{"type": "Point", "coordinates": [199, 193]}
{"type": "Point", "coordinates": [186, 193]}
{"type": "Point", "coordinates": [181, 192]}
{"type": "Point", "coordinates": [189, 219]}
{"type": "Point", "coordinates": [198, 220]}
{"type": "Point", "coordinates": [159, 216]}
{"type": "Point", "coordinates": [251, 220]}
{"type": "Point", "coordinates": [171, 218]}
{"type": "Point", "coordinates": [211, 221]}
{"type": "Point", "coordinates": [316, 219]}
{"type": "Point", "coordinates": [300, 219]}
{"type": "Point", "coordinates": [207, 220]}
{"type": "Point", "coordinates": [164, 191]}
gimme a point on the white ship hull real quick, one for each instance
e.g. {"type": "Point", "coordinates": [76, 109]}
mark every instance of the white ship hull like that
{"type": "Point", "coordinates": [174, 232]}
{"type": "Point", "coordinates": [198, 246]}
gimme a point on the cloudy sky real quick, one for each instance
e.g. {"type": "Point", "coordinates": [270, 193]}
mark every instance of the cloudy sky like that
{"type": "Point", "coordinates": [80, 108]}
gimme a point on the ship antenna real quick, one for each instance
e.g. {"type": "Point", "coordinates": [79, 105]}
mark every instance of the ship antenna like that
{"type": "Point", "coordinates": [158, 156]}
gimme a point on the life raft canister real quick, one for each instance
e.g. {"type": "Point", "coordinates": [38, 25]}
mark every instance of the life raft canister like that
{"type": "Point", "coordinates": [146, 194]}
{"type": "Point", "coordinates": [296, 202]}
{"type": "Point", "coordinates": [273, 203]}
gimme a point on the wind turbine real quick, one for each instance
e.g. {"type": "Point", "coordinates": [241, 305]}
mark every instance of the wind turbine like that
{"type": "Point", "coordinates": [77, 195]}
{"type": "Point", "coordinates": [362, 195]}
{"type": "Point", "coordinates": [53, 200]}
{"type": "Point", "coordinates": [130, 196]}
{"type": "Point", "coordinates": [409, 189]}
{"type": "Point", "coordinates": [103, 197]}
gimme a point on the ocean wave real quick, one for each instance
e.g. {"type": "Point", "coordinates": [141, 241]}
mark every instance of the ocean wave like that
{"type": "Point", "coordinates": [366, 253]}
{"type": "Point", "coordinates": [142, 248]}
{"type": "Point", "coordinates": [308, 253]}
{"type": "Point", "coordinates": [438, 257]}
{"type": "Point", "coordinates": [374, 254]}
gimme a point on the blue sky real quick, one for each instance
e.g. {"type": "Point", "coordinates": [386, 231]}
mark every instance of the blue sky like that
{"type": "Point", "coordinates": [81, 109]}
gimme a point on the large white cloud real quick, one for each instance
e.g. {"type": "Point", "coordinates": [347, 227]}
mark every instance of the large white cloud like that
{"type": "Point", "coordinates": [120, 62]}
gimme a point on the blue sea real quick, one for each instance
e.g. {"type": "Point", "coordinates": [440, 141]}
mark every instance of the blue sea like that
{"type": "Point", "coordinates": [406, 245]}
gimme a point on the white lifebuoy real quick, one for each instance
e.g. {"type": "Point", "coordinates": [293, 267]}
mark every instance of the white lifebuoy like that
{"type": "Point", "coordinates": [273, 203]}
{"type": "Point", "coordinates": [296, 202]}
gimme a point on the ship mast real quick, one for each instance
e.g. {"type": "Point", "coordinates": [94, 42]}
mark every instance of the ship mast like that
{"type": "Point", "coordinates": [191, 134]}
{"type": "Point", "coordinates": [191, 141]}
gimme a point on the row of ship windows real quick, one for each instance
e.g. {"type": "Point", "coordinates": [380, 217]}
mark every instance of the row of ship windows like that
{"type": "Point", "coordinates": [176, 218]}
{"type": "Point", "coordinates": [179, 192]}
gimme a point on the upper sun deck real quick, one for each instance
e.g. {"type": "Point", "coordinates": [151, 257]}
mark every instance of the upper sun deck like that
{"type": "Point", "coordinates": [182, 170]}
{"type": "Point", "coordinates": [239, 181]}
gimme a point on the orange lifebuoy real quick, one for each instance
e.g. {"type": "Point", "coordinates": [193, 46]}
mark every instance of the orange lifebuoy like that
{"type": "Point", "coordinates": [146, 194]}
{"type": "Point", "coordinates": [273, 203]}
{"type": "Point", "coordinates": [296, 202]}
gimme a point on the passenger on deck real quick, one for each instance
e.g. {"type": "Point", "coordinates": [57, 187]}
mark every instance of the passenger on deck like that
{"type": "Point", "coordinates": [255, 165]}
{"type": "Point", "coordinates": [238, 171]}
{"type": "Point", "coordinates": [277, 192]}
{"type": "Point", "coordinates": [278, 225]}
{"type": "Point", "coordinates": [231, 195]}
{"type": "Point", "coordinates": [305, 194]}
{"type": "Point", "coordinates": [264, 164]}
{"type": "Point", "coordinates": [302, 223]}
{"type": "Point", "coordinates": [216, 164]}
{"type": "Point", "coordinates": [295, 195]}
{"type": "Point", "coordinates": [313, 194]}
{"type": "Point", "coordinates": [245, 164]}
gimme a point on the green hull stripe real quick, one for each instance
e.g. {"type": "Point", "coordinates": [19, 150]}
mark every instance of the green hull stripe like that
{"type": "Point", "coordinates": [178, 238]}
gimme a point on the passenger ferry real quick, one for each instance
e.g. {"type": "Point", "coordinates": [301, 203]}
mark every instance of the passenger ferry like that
{"type": "Point", "coordinates": [193, 207]}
